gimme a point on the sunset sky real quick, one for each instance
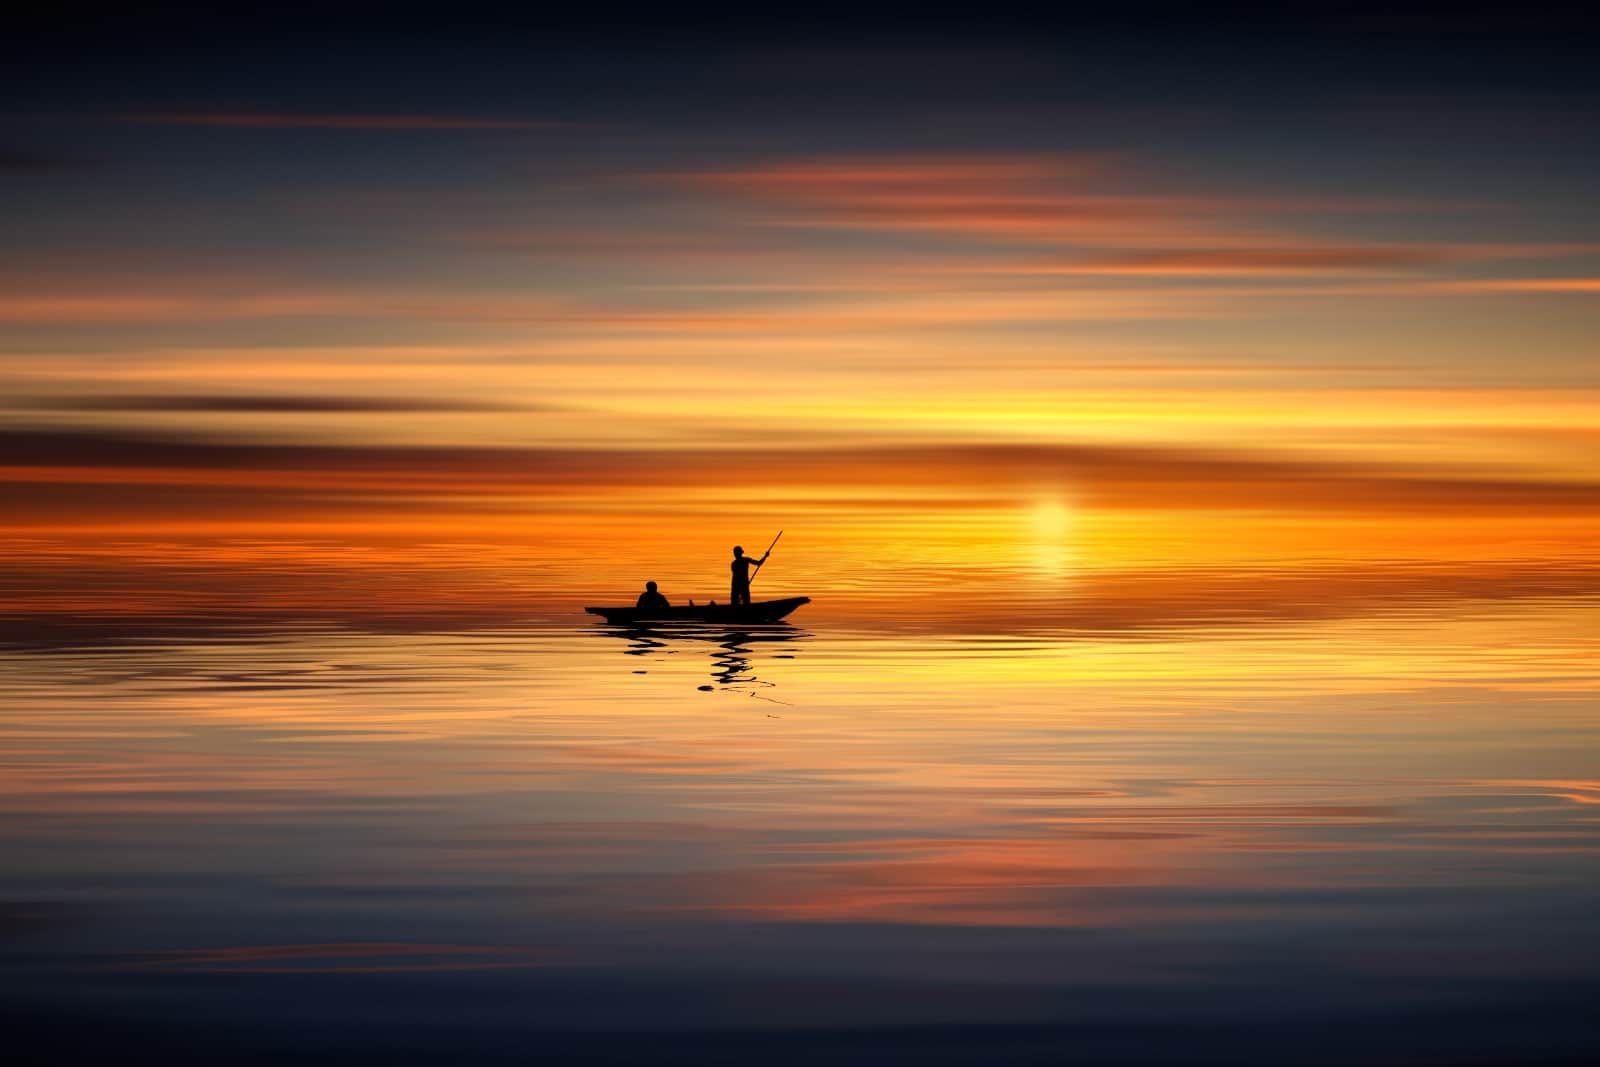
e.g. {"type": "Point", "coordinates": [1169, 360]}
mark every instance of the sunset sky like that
{"type": "Point", "coordinates": [343, 311]}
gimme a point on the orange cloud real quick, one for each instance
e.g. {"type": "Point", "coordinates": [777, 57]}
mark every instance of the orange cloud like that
{"type": "Point", "coordinates": [1577, 286]}
{"type": "Point", "coordinates": [76, 308]}
{"type": "Point", "coordinates": [1116, 221]}
{"type": "Point", "coordinates": [991, 198]}
{"type": "Point", "coordinates": [1104, 475]}
{"type": "Point", "coordinates": [1261, 260]}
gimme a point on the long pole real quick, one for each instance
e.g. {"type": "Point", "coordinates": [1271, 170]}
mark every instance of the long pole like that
{"type": "Point", "coordinates": [764, 555]}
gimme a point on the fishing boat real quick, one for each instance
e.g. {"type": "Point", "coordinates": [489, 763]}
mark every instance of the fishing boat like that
{"type": "Point", "coordinates": [760, 611]}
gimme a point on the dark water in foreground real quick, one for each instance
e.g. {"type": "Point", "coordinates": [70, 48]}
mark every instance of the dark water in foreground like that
{"type": "Point", "coordinates": [1362, 840]}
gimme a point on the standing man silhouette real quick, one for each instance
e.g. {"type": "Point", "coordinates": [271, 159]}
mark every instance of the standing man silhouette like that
{"type": "Point", "coordinates": [741, 574]}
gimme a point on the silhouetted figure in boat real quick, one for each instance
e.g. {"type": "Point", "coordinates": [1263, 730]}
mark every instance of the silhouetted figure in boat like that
{"type": "Point", "coordinates": [651, 600]}
{"type": "Point", "coordinates": [741, 575]}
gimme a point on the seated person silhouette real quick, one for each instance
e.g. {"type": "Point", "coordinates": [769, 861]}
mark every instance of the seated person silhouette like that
{"type": "Point", "coordinates": [652, 601]}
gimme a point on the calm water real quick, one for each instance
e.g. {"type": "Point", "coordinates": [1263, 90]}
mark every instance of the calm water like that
{"type": "Point", "coordinates": [1360, 839]}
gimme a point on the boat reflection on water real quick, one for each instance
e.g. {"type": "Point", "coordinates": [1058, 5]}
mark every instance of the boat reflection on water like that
{"type": "Point", "coordinates": [733, 649]}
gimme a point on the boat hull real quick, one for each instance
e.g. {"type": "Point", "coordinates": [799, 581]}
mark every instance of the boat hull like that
{"type": "Point", "coordinates": [760, 611]}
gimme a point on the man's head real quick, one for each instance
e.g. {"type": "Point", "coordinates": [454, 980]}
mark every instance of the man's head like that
{"type": "Point", "coordinates": [650, 586]}
{"type": "Point", "coordinates": [737, 551]}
